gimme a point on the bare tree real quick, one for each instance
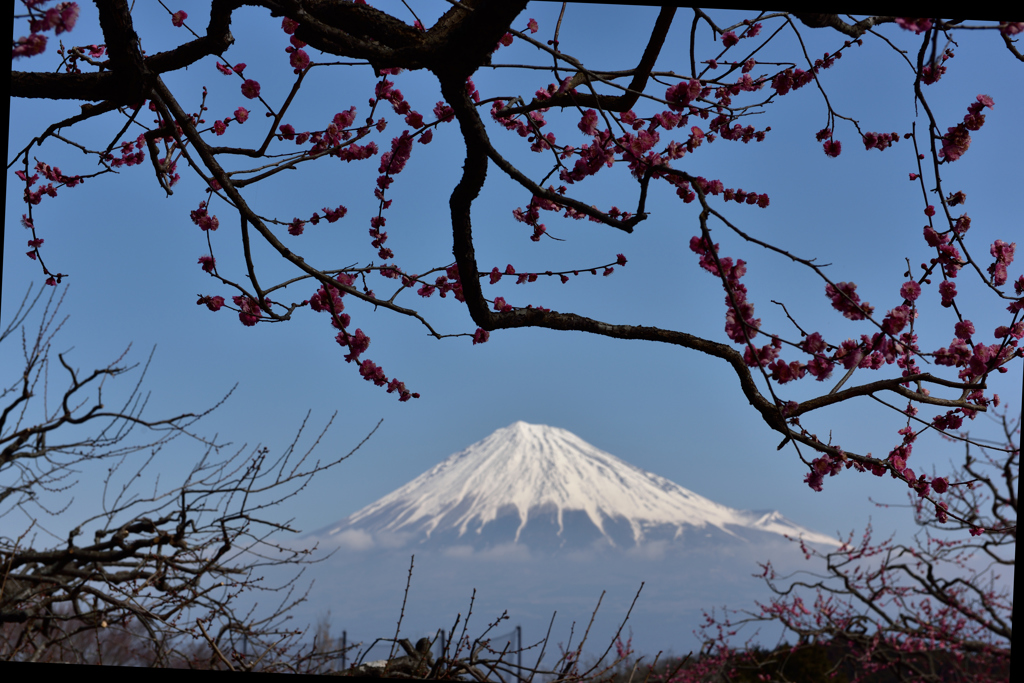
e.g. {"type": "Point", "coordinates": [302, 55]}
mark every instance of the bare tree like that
{"type": "Point", "coordinates": [150, 571]}
{"type": "Point", "coordinates": [924, 612]}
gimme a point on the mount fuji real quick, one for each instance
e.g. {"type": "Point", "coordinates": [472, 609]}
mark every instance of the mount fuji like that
{"type": "Point", "coordinates": [548, 490]}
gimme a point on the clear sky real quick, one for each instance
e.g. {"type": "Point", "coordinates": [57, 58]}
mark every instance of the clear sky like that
{"type": "Point", "coordinates": [131, 254]}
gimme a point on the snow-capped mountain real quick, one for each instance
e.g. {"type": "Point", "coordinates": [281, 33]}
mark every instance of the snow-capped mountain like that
{"type": "Point", "coordinates": [545, 488]}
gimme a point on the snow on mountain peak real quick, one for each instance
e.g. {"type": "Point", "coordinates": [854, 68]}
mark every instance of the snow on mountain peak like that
{"type": "Point", "coordinates": [525, 470]}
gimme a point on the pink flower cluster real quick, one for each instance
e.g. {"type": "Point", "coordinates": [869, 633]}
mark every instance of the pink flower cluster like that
{"type": "Point", "coordinates": [52, 174]}
{"type": "Point", "coordinates": [846, 300]}
{"type": "Point", "coordinates": [980, 359]}
{"type": "Point", "coordinates": [827, 464]}
{"type": "Point", "coordinates": [879, 141]}
{"type": "Point", "coordinates": [740, 324]}
{"type": "Point", "coordinates": [444, 284]}
{"type": "Point", "coordinates": [202, 218]}
{"type": "Point", "coordinates": [298, 59]}
{"type": "Point", "coordinates": [949, 256]}
{"type": "Point", "coordinates": [385, 91]}
{"type": "Point", "coordinates": [249, 309]}
{"type": "Point", "coordinates": [957, 139]}
{"type": "Point", "coordinates": [1003, 254]}
{"type": "Point", "coordinates": [915, 24]}
{"type": "Point", "coordinates": [60, 18]}
{"type": "Point", "coordinates": [214, 303]}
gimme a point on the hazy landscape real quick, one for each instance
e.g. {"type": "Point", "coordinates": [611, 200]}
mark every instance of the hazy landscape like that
{"type": "Point", "coordinates": [539, 522]}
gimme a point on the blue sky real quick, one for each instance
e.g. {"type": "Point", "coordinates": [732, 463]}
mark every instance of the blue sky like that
{"type": "Point", "coordinates": [131, 253]}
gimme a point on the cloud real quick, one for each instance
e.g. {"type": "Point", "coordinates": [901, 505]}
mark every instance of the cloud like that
{"type": "Point", "coordinates": [354, 539]}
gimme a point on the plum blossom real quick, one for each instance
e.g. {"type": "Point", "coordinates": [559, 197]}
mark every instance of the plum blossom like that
{"type": "Point", "coordinates": [845, 299]}
{"type": "Point", "coordinates": [955, 143]}
{"type": "Point", "coordinates": [178, 18]}
{"type": "Point", "coordinates": [917, 25]}
{"type": "Point", "coordinates": [964, 330]}
{"type": "Point", "coordinates": [833, 148]}
{"type": "Point", "coordinates": [910, 290]}
{"type": "Point", "coordinates": [251, 89]}
{"type": "Point", "coordinates": [299, 60]}
{"type": "Point", "coordinates": [214, 303]}
{"type": "Point", "coordinates": [35, 44]}
{"type": "Point", "coordinates": [1003, 254]}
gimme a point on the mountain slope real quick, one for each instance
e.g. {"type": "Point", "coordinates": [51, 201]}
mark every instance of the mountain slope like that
{"type": "Point", "coordinates": [545, 487]}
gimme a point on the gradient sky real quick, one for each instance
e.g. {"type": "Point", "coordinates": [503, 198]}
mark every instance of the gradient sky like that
{"type": "Point", "coordinates": [131, 253]}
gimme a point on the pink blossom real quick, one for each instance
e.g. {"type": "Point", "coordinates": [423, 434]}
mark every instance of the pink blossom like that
{"type": "Point", "coordinates": [201, 218]}
{"type": "Point", "coordinates": [532, 25]}
{"type": "Point", "coordinates": [336, 214]}
{"type": "Point", "coordinates": [219, 127]}
{"type": "Point", "coordinates": [480, 336]}
{"type": "Point", "coordinates": [289, 25]}
{"type": "Point", "coordinates": [60, 18]}
{"type": "Point", "coordinates": [681, 94]}
{"type": "Point", "coordinates": [372, 373]}
{"type": "Point", "coordinates": [249, 310]}
{"type": "Point", "coordinates": [241, 115]}
{"type": "Point", "coordinates": [729, 39]}
{"type": "Point", "coordinates": [948, 421]}
{"type": "Point", "coordinates": [208, 263]}
{"type": "Point", "coordinates": [214, 303]}
{"type": "Point", "coordinates": [1003, 254]}
{"type": "Point", "coordinates": [178, 18]}
{"type": "Point", "coordinates": [394, 161]}
{"type": "Point", "coordinates": [296, 227]}
{"type": "Point", "coordinates": [251, 89]}
{"type": "Point", "coordinates": [910, 290]}
{"type": "Point", "coordinates": [35, 44]}
{"type": "Point", "coordinates": [833, 148]}
{"type": "Point", "coordinates": [964, 330]}
{"type": "Point", "coordinates": [588, 123]}
{"type": "Point", "coordinates": [1016, 330]}
{"type": "Point", "coordinates": [955, 143]}
{"type": "Point", "coordinates": [1011, 28]}
{"type": "Point", "coordinates": [896, 320]}
{"type": "Point", "coordinates": [917, 25]}
{"type": "Point", "coordinates": [356, 343]}
{"type": "Point", "coordinates": [299, 60]}
{"type": "Point", "coordinates": [845, 299]}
